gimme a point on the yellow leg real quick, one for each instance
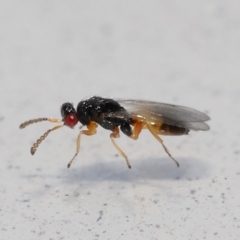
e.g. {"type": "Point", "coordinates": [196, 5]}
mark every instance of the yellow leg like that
{"type": "Point", "coordinates": [115, 134]}
{"type": "Point", "coordinates": [154, 133]}
{"type": "Point", "coordinates": [90, 131]}
{"type": "Point", "coordinates": [137, 128]}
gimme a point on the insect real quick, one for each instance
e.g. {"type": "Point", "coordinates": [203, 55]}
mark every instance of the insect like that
{"type": "Point", "coordinates": [129, 116]}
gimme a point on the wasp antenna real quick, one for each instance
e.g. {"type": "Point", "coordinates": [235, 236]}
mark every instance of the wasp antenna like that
{"type": "Point", "coordinates": [39, 141]}
{"type": "Point", "coordinates": [25, 124]}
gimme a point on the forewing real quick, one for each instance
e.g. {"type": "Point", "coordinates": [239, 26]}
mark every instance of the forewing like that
{"type": "Point", "coordinates": [167, 113]}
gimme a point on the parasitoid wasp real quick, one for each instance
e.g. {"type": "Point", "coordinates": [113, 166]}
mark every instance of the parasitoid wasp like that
{"type": "Point", "coordinates": [131, 116]}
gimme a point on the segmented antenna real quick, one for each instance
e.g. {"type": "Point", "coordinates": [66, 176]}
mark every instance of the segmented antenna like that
{"type": "Point", "coordinates": [25, 124]}
{"type": "Point", "coordinates": [39, 141]}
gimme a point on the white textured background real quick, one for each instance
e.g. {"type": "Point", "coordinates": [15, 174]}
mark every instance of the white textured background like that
{"type": "Point", "coordinates": [182, 52]}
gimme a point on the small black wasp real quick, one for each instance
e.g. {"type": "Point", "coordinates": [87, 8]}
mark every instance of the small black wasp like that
{"type": "Point", "coordinates": [131, 116]}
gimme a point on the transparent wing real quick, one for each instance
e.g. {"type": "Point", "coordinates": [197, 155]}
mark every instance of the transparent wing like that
{"type": "Point", "coordinates": [161, 112]}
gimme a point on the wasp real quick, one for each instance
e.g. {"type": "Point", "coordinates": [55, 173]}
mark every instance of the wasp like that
{"type": "Point", "coordinates": [129, 116]}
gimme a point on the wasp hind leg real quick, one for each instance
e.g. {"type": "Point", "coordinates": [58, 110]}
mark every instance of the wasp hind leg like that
{"type": "Point", "coordinates": [115, 134]}
{"type": "Point", "coordinates": [137, 128]}
{"type": "Point", "coordinates": [154, 132]}
{"type": "Point", "coordinates": [90, 131]}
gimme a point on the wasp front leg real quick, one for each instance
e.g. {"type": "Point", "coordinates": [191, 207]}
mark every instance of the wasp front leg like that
{"type": "Point", "coordinates": [90, 131]}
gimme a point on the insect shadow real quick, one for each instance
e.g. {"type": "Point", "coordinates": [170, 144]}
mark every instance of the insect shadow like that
{"type": "Point", "coordinates": [145, 169]}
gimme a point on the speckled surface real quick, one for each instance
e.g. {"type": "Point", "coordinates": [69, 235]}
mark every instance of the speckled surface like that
{"type": "Point", "coordinates": [185, 53]}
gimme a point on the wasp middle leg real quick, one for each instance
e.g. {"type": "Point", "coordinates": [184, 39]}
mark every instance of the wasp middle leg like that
{"type": "Point", "coordinates": [115, 134]}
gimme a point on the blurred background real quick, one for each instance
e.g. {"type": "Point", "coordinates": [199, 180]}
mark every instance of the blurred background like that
{"type": "Point", "coordinates": [185, 53]}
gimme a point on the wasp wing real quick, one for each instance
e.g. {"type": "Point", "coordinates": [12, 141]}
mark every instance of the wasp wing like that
{"type": "Point", "coordinates": [161, 112]}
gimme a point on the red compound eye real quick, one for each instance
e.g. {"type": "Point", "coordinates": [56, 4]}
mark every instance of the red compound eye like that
{"type": "Point", "coordinates": [71, 120]}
